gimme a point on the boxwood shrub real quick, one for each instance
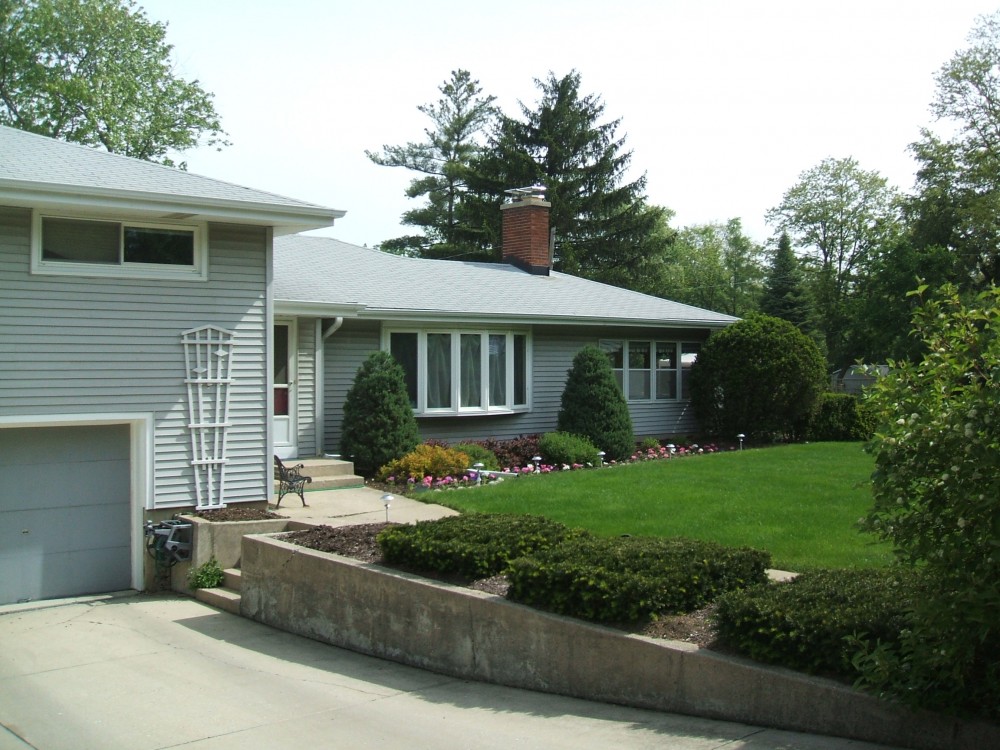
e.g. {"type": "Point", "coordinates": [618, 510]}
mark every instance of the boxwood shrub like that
{"type": "Point", "coordinates": [565, 448]}
{"type": "Point", "coordinates": [476, 545]}
{"type": "Point", "coordinates": [806, 624]}
{"type": "Point", "coordinates": [842, 416]}
{"type": "Point", "coordinates": [628, 579]}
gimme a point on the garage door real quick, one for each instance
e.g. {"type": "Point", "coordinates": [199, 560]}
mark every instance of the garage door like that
{"type": "Point", "coordinates": [65, 514]}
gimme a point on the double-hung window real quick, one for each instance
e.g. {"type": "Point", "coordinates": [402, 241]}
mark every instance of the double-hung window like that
{"type": "Point", "coordinates": [651, 370]}
{"type": "Point", "coordinates": [88, 247]}
{"type": "Point", "coordinates": [451, 372]}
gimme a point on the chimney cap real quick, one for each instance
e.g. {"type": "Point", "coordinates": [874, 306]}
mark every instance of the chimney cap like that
{"type": "Point", "coordinates": [534, 191]}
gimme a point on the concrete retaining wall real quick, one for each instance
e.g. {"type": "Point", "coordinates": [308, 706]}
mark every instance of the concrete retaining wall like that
{"type": "Point", "coordinates": [470, 634]}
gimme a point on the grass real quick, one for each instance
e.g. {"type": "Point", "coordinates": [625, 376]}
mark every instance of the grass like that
{"type": "Point", "coordinates": [799, 502]}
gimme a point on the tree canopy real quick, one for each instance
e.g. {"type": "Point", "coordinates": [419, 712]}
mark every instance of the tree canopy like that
{"type": "Point", "coordinates": [99, 73]}
{"type": "Point", "coordinates": [459, 117]}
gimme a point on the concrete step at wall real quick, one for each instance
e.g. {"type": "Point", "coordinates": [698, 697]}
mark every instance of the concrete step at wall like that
{"type": "Point", "coordinates": [234, 579]}
{"type": "Point", "coordinates": [323, 467]}
{"type": "Point", "coordinates": [225, 599]}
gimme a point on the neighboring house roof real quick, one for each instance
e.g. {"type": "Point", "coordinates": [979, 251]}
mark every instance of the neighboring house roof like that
{"type": "Point", "coordinates": [313, 272]}
{"type": "Point", "coordinates": [36, 171]}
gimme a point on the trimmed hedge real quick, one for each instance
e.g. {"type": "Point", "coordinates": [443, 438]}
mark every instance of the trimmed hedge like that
{"type": "Point", "coordinates": [805, 624]}
{"type": "Point", "coordinates": [628, 579]}
{"type": "Point", "coordinates": [477, 545]}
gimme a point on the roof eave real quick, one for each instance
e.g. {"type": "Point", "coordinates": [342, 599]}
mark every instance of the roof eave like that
{"type": "Point", "coordinates": [433, 316]}
{"type": "Point", "coordinates": [286, 219]}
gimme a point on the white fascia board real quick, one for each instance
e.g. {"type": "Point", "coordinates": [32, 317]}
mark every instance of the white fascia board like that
{"type": "Point", "coordinates": [286, 219]}
{"type": "Point", "coordinates": [418, 316]}
{"type": "Point", "coordinates": [317, 309]}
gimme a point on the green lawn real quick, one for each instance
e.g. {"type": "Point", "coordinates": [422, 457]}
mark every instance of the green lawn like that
{"type": "Point", "coordinates": [800, 502]}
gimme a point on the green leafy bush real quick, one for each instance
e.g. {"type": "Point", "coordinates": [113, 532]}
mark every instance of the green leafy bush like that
{"type": "Point", "coordinates": [565, 448]}
{"type": "Point", "coordinates": [806, 624]}
{"type": "Point", "coordinates": [206, 576]}
{"type": "Point", "coordinates": [760, 377]}
{"type": "Point", "coordinates": [841, 416]}
{"type": "Point", "coordinates": [593, 405]}
{"type": "Point", "coordinates": [427, 461]}
{"type": "Point", "coordinates": [478, 454]}
{"type": "Point", "coordinates": [649, 444]}
{"type": "Point", "coordinates": [628, 579]}
{"type": "Point", "coordinates": [477, 545]}
{"type": "Point", "coordinates": [379, 425]}
{"type": "Point", "coordinates": [936, 494]}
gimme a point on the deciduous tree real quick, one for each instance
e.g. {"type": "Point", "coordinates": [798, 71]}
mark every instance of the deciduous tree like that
{"type": "Point", "coordinates": [98, 72]}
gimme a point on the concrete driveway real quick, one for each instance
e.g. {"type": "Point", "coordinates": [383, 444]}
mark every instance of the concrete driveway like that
{"type": "Point", "coordinates": [142, 672]}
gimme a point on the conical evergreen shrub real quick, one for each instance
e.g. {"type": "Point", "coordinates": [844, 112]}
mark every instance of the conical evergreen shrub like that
{"type": "Point", "coordinates": [593, 405]}
{"type": "Point", "coordinates": [379, 426]}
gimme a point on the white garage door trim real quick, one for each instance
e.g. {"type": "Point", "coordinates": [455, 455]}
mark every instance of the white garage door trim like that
{"type": "Point", "coordinates": [140, 460]}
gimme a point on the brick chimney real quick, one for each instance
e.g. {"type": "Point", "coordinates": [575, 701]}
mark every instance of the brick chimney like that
{"type": "Point", "coordinates": [526, 241]}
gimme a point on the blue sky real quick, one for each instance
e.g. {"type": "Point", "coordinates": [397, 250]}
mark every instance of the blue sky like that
{"type": "Point", "coordinates": [723, 102]}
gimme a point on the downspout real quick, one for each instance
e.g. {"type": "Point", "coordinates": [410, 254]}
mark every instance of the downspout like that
{"type": "Point", "coordinates": [320, 367]}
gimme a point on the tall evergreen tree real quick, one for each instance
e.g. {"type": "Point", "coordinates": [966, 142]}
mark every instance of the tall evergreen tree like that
{"type": "Point", "coordinates": [784, 296]}
{"type": "Point", "coordinates": [604, 228]}
{"type": "Point", "coordinates": [459, 117]}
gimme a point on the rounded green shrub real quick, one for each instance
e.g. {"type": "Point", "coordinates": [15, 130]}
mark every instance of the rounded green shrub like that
{"type": "Point", "coordinates": [478, 454]}
{"type": "Point", "coordinates": [760, 377]}
{"type": "Point", "coordinates": [841, 416]}
{"type": "Point", "coordinates": [565, 448]}
{"type": "Point", "coordinates": [593, 405]}
{"type": "Point", "coordinates": [379, 425]}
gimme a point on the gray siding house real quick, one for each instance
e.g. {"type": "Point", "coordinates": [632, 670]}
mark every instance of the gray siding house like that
{"type": "Point", "coordinates": [135, 339]}
{"type": "Point", "coordinates": [486, 347]}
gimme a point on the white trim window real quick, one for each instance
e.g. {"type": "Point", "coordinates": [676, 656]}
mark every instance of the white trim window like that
{"type": "Point", "coordinates": [463, 372]}
{"type": "Point", "coordinates": [71, 246]}
{"type": "Point", "coordinates": [651, 370]}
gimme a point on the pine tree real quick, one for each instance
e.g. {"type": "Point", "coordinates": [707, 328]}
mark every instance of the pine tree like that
{"type": "Point", "coordinates": [604, 228]}
{"type": "Point", "coordinates": [459, 117]}
{"type": "Point", "coordinates": [784, 296]}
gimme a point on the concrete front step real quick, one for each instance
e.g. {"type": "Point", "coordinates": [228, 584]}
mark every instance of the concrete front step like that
{"type": "Point", "coordinates": [227, 596]}
{"type": "Point", "coordinates": [326, 473]}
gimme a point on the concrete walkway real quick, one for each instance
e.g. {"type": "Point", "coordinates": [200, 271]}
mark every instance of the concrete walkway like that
{"type": "Point", "coordinates": [154, 672]}
{"type": "Point", "coordinates": [357, 505]}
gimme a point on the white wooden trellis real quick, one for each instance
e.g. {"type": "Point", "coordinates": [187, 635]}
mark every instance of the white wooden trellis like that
{"type": "Point", "coordinates": [208, 355]}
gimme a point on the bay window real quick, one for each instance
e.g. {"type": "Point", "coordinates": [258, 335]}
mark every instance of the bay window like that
{"type": "Point", "coordinates": [463, 371]}
{"type": "Point", "coordinates": [651, 370]}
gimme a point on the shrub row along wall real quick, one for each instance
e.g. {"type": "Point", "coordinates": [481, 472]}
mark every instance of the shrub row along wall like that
{"type": "Point", "coordinates": [473, 635]}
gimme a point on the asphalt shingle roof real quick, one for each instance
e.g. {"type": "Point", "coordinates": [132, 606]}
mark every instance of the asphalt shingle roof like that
{"type": "Point", "coordinates": [38, 162]}
{"type": "Point", "coordinates": [324, 270]}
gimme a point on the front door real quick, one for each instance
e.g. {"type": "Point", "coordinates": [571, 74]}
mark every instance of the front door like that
{"type": "Point", "coordinates": [284, 389]}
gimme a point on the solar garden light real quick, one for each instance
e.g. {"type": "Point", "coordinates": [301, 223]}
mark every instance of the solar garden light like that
{"type": "Point", "coordinates": [601, 455]}
{"type": "Point", "coordinates": [386, 501]}
{"type": "Point", "coordinates": [478, 466]}
{"type": "Point", "coordinates": [671, 447]}
{"type": "Point", "coordinates": [740, 438]}
{"type": "Point", "coordinates": [536, 460]}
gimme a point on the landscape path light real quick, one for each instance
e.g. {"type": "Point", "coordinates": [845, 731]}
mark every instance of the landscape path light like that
{"type": "Point", "coordinates": [601, 455]}
{"type": "Point", "coordinates": [740, 437]}
{"type": "Point", "coordinates": [387, 501]}
{"type": "Point", "coordinates": [536, 460]}
{"type": "Point", "coordinates": [478, 466]}
{"type": "Point", "coordinates": [671, 447]}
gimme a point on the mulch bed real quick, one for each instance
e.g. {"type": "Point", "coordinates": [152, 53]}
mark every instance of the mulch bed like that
{"type": "Point", "coordinates": [237, 514]}
{"type": "Point", "coordinates": [358, 542]}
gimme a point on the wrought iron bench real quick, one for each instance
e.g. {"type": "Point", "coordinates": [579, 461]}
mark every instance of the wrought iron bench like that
{"type": "Point", "coordinates": [290, 480]}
